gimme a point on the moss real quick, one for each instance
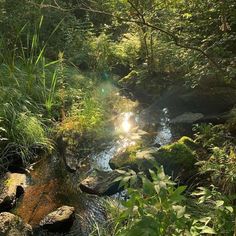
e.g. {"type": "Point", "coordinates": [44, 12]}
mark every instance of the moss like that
{"type": "Point", "coordinates": [130, 79]}
{"type": "Point", "coordinates": [8, 182]}
{"type": "Point", "coordinates": [177, 158]}
{"type": "Point", "coordinates": [188, 142]}
{"type": "Point", "coordinates": [125, 158]}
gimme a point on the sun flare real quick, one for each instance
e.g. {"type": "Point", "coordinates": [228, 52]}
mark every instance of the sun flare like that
{"type": "Point", "coordinates": [126, 125]}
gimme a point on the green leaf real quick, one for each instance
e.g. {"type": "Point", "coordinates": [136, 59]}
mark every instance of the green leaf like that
{"type": "Point", "coordinates": [208, 230]}
{"type": "Point", "coordinates": [230, 209]}
{"type": "Point", "coordinates": [219, 203]}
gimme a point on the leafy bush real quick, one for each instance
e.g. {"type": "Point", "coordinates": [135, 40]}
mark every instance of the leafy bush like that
{"type": "Point", "coordinates": [231, 122]}
{"type": "Point", "coordinates": [220, 166]}
{"type": "Point", "coordinates": [157, 207]}
{"type": "Point", "coordinates": [209, 135]}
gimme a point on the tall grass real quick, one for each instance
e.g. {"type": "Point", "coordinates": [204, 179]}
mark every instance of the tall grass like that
{"type": "Point", "coordinates": [28, 86]}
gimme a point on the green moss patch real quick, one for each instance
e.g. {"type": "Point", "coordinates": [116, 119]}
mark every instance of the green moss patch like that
{"type": "Point", "coordinates": [177, 158]}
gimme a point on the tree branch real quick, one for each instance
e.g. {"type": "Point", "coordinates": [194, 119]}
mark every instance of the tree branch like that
{"type": "Point", "coordinates": [142, 21]}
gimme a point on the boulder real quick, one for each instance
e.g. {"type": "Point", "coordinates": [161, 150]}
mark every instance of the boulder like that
{"type": "Point", "coordinates": [187, 117]}
{"type": "Point", "coordinates": [12, 225]}
{"type": "Point", "coordinates": [207, 100]}
{"type": "Point", "coordinates": [59, 220]}
{"type": "Point", "coordinates": [178, 158]}
{"type": "Point", "coordinates": [11, 187]}
{"type": "Point", "coordinates": [101, 183]}
{"type": "Point", "coordinates": [190, 118]}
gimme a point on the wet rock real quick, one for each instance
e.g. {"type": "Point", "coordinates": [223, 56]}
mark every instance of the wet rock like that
{"type": "Point", "coordinates": [11, 187]}
{"type": "Point", "coordinates": [59, 220]}
{"type": "Point", "coordinates": [101, 183]}
{"type": "Point", "coordinates": [12, 225]}
{"type": "Point", "coordinates": [187, 117]}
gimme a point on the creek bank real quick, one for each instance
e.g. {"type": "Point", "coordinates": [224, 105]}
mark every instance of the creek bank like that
{"type": "Point", "coordinates": [13, 225]}
{"type": "Point", "coordinates": [59, 220]}
{"type": "Point", "coordinates": [12, 186]}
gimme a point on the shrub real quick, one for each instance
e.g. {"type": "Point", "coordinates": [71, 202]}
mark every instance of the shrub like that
{"type": "Point", "coordinates": [158, 207]}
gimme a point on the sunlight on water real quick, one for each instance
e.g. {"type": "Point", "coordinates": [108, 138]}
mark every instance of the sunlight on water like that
{"type": "Point", "coordinates": [126, 126]}
{"type": "Point", "coordinates": [126, 123]}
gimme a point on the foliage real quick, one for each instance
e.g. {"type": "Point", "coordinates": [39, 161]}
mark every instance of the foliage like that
{"type": "Point", "coordinates": [221, 168]}
{"type": "Point", "coordinates": [232, 121]}
{"type": "Point", "coordinates": [216, 209]}
{"type": "Point", "coordinates": [216, 157]}
{"type": "Point", "coordinates": [157, 207]}
{"type": "Point", "coordinates": [209, 135]}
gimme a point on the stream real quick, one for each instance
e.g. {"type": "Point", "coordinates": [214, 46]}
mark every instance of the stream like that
{"type": "Point", "coordinates": [51, 186]}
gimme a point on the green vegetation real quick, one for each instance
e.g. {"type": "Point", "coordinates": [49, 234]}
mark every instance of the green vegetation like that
{"type": "Point", "coordinates": [161, 208]}
{"type": "Point", "coordinates": [66, 71]}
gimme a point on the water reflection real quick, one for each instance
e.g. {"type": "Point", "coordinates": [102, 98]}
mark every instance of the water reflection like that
{"type": "Point", "coordinates": [126, 127]}
{"type": "Point", "coordinates": [164, 135]}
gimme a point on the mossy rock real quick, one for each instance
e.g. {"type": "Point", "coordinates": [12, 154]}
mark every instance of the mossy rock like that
{"type": "Point", "coordinates": [12, 186]}
{"type": "Point", "coordinates": [178, 158]}
{"type": "Point", "coordinates": [129, 79]}
{"type": "Point", "coordinates": [134, 157]}
{"type": "Point", "coordinates": [188, 142]}
{"type": "Point", "coordinates": [125, 158]}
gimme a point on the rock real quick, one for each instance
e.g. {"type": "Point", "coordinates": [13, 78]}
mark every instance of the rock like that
{"type": "Point", "coordinates": [132, 158]}
{"type": "Point", "coordinates": [59, 220]}
{"type": "Point", "coordinates": [130, 79]}
{"type": "Point", "coordinates": [187, 117]}
{"type": "Point", "coordinates": [101, 183]}
{"type": "Point", "coordinates": [207, 100]}
{"type": "Point", "coordinates": [178, 158]}
{"type": "Point", "coordinates": [11, 187]}
{"type": "Point", "coordinates": [12, 225]}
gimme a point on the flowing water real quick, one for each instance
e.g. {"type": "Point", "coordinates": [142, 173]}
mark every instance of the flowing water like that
{"type": "Point", "coordinates": [51, 186]}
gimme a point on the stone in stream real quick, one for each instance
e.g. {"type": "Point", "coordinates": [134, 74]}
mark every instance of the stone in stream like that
{"type": "Point", "coordinates": [11, 187]}
{"type": "Point", "coordinates": [12, 225]}
{"type": "Point", "coordinates": [101, 183]}
{"type": "Point", "coordinates": [132, 158]}
{"type": "Point", "coordinates": [211, 99]}
{"type": "Point", "coordinates": [187, 117]}
{"type": "Point", "coordinates": [59, 220]}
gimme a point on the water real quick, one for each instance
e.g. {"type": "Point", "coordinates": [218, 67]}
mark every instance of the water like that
{"type": "Point", "coordinates": [164, 133]}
